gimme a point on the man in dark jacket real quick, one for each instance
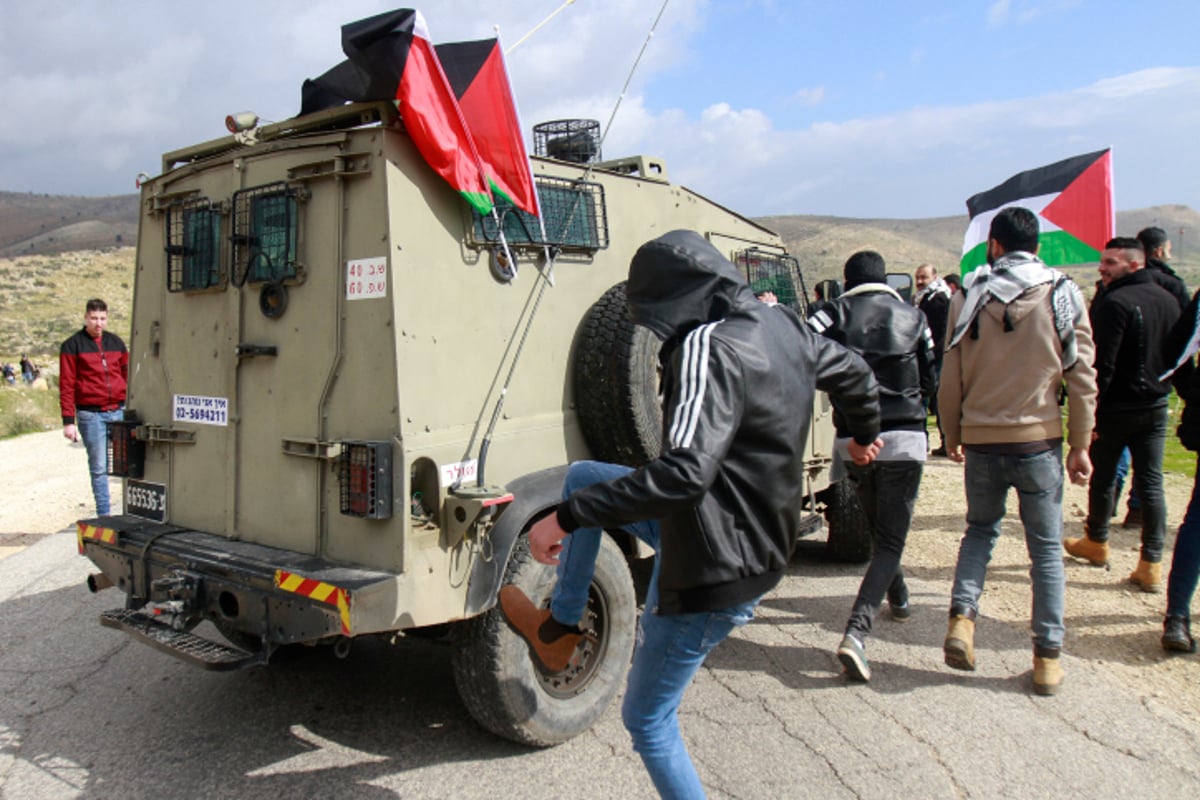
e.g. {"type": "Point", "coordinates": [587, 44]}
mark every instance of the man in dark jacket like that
{"type": "Point", "coordinates": [1158, 250]}
{"type": "Point", "coordinates": [933, 300]}
{"type": "Point", "coordinates": [720, 505]}
{"type": "Point", "coordinates": [1130, 321]}
{"type": "Point", "coordinates": [93, 366]}
{"type": "Point", "coordinates": [895, 340]}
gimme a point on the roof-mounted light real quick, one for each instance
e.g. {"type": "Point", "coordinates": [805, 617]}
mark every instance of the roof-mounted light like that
{"type": "Point", "coordinates": [241, 122]}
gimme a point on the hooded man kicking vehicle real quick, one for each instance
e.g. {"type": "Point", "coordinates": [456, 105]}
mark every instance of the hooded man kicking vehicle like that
{"type": "Point", "coordinates": [720, 506]}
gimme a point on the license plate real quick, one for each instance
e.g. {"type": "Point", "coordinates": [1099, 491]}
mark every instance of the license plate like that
{"type": "Point", "coordinates": [147, 500]}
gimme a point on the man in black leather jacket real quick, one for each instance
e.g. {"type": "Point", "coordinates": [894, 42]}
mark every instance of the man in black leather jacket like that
{"type": "Point", "coordinates": [895, 339]}
{"type": "Point", "coordinates": [1131, 320]}
{"type": "Point", "coordinates": [720, 505]}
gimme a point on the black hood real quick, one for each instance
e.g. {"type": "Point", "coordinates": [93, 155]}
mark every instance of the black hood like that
{"type": "Point", "coordinates": [679, 281]}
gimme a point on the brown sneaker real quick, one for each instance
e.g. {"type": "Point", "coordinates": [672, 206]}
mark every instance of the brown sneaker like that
{"type": "Point", "coordinates": [1047, 675]}
{"type": "Point", "coordinates": [959, 647]}
{"type": "Point", "coordinates": [1096, 553]}
{"type": "Point", "coordinates": [1147, 576]}
{"type": "Point", "coordinates": [551, 642]}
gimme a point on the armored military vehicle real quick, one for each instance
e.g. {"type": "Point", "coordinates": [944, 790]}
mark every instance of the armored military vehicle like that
{"type": "Point", "coordinates": [344, 410]}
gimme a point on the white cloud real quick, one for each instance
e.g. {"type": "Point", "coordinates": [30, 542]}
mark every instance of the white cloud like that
{"type": "Point", "coordinates": [928, 160]}
{"type": "Point", "coordinates": [997, 13]}
{"type": "Point", "coordinates": [811, 96]}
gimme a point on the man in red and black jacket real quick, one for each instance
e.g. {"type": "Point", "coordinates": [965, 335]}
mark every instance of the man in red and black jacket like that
{"type": "Point", "coordinates": [93, 368]}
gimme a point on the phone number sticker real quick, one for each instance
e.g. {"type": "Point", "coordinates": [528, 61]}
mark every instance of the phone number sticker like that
{"type": "Point", "coordinates": [202, 410]}
{"type": "Point", "coordinates": [366, 277]}
{"type": "Point", "coordinates": [146, 500]}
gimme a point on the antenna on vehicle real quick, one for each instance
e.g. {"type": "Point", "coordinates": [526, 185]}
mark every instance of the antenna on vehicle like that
{"type": "Point", "coordinates": [538, 290]}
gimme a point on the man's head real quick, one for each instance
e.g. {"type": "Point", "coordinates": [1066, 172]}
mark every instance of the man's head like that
{"type": "Point", "coordinates": [954, 282]}
{"type": "Point", "coordinates": [95, 317]}
{"type": "Point", "coordinates": [1122, 256]}
{"type": "Point", "coordinates": [1014, 228]}
{"type": "Point", "coordinates": [679, 281]}
{"type": "Point", "coordinates": [865, 266]}
{"type": "Point", "coordinates": [1155, 243]}
{"type": "Point", "coordinates": [925, 275]}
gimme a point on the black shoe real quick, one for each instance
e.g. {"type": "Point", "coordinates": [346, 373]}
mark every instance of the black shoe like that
{"type": "Point", "coordinates": [854, 659]}
{"type": "Point", "coordinates": [1177, 635]}
{"type": "Point", "coordinates": [1133, 519]}
{"type": "Point", "coordinates": [900, 611]}
{"type": "Point", "coordinates": [941, 451]}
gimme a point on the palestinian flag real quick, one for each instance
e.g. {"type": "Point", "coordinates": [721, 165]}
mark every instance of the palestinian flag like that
{"type": "Point", "coordinates": [480, 82]}
{"type": "Point", "coordinates": [1073, 199]}
{"type": "Point", "coordinates": [389, 57]}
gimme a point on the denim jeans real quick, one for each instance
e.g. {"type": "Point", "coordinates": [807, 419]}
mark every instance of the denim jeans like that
{"type": "Point", "coordinates": [887, 492]}
{"type": "Point", "coordinates": [669, 651]}
{"type": "Point", "coordinates": [1122, 473]}
{"type": "Point", "coordinates": [1185, 565]}
{"type": "Point", "coordinates": [1038, 480]}
{"type": "Point", "coordinates": [94, 433]}
{"type": "Point", "coordinates": [1145, 433]}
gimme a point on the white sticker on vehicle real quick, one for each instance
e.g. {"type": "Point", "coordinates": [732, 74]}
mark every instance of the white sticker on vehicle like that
{"type": "Point", "coordinates": [460, 472]}
{"type": "Point", "coordinates": [366, 278]}
{"type": "Point", "coordinates": [201, 410]}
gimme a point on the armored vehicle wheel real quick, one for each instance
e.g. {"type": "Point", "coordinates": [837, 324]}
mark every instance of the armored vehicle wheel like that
{"type": "Point", "coordinates": [849, 532]}
{"type": "Point", "coordinates": [616, 384]}
{"type": "Point", "coordinates": [509, 694]}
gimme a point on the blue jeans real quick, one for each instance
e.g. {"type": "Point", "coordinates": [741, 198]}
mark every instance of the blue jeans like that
{"type": "Point", "coordinates": [1145, 433]}
{"type": "Point", "coordinates": [1185, 565]}
{"type": "Point", "coordinates": [92, 430]}
{"type": "Point", "coordinates": [1122, 472]}
{"type": "Point", "coordinates": [669, 652]}
{"type": "Point", "coordinates": [1038, 480]}
{"type": "Point", "coordinates": [887, 492]}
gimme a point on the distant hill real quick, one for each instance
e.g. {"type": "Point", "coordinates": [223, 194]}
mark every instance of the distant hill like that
{"type": "Point", "coordinates": [56, 252]}
{"type": "Point", "coordinates": [41, 224]}
{"type": "Point", "coordinates": [824, 243]}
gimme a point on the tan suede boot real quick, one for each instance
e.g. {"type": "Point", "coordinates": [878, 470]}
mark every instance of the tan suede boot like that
{"type": "Point", "coordinates": [1095, 553]}
{"type": "Point", "coordinates": [959, 647]}
{"type": "Point", "coordinates": [1147, 576]}
{"type": "Point", "coordinates": [1047, 675]}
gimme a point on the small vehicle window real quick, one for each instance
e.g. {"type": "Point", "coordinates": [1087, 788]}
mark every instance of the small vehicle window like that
{"type": "Point", "coordinates": [573, 214]}
{"type": "Point", "coordinates": [772, 272]}
{"type": "Point", "coordinates": [193, 246]}
{"type": "Point", "coordinates": [265, 234]}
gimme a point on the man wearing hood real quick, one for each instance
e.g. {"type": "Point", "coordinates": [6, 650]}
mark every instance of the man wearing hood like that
{"type": "Point", "coordinates": [720, 505]}
{"type": "Point", "coordinates": [1018, 332]}
{"type": "Point", "coordinates": [895, 340]}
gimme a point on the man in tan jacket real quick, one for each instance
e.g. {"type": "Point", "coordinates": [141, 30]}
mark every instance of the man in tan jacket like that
{"type": "Point", "coordinates": [1016, 333]}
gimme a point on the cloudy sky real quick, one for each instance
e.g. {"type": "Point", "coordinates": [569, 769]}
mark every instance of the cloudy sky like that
{"type": "Point", "coordinates": [862, 108]}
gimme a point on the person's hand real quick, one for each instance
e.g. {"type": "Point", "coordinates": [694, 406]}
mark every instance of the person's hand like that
{"type": "Point", "coordinates": [71, 433]}
{"type": "Point", "coordinates": [545, 540]}
{"type": "Point", "coordinates": [768, 297]}
{"type": "Point", "coordinates": [955, 454]}
{"type": "Point", "coordinates": [1079, 466]}
{"type": "Point", "coordinates": [863, 454]}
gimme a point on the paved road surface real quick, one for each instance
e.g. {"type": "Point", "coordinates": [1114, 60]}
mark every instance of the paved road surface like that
{"type": "Point", "coordinates": [87, 712]}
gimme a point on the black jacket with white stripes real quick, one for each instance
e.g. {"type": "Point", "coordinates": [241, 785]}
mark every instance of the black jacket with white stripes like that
{"type": "Point", "coordinates": [739, 378]}
{"type": "Point", "coordinates": [895, 339]}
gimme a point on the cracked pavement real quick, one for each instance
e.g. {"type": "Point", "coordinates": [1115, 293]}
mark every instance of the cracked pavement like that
{"type": "Point", "coordinates": [86, 712]}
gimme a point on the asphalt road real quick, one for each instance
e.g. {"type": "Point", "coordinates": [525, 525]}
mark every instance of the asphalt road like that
{"type": "Point", "coordinates": [87, 712]}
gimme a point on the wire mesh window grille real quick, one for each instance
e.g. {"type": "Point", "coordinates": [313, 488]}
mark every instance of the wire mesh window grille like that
{"type": "Point", "coordinates": [193, 246]}
{"type": "Point", "coordinates": [771, 272]}
{"type": "Point", "coordinates": [573, 213]}
{"type": "Point", "coordinates": [265, 234]}
{"type": "Point", "coordinates": [365, 475]}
